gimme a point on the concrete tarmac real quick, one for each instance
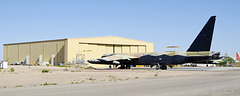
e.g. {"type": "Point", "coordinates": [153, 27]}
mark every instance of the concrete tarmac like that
{"type": "Point", "coordinates": [204, 68]}
{"type": "Point", "coordinates": [225, 84]}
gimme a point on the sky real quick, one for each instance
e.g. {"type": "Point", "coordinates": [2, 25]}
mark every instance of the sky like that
{"type": "Point", "coordinates": [163, 22]}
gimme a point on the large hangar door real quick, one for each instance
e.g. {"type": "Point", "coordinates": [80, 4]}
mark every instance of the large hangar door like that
{"type": "Point", "coordinates": [93, 53]}
{"type": "Point", "coordinates": [134, 49]}
{"type": "Point", "coordinates": [142, 49]}
{"type": "Point", "coordinates": [100, 50]}
{"type": "Point", "coordinates": [109, 49]}
{"type": "Point", "coordinates": [125, 49]}
{"type": "Point", "coordinates": [118, 48]}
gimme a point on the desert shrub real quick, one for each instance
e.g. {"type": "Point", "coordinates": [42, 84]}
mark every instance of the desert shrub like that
{"type": "Point", "coordinates": [137, 77]}
{"type": "Point", "coordinates": [69, 66]}
{"type": "Point", "coordinates": [127, 78]}
{"type": "Point", "coordinates": [111, 76]}
{"type": "Point", "coordinates": [12, 69]}
{"type": "Point", "coordinates": [45, 84]}
{"type": "Point", "coordinates": [45, 71]}
{"type": "Point", "coordinates": [82, 81]}
{"type": "Point", "coordinates": [19, 86]}
{"type": "Point", "coordinates": [65, 69]}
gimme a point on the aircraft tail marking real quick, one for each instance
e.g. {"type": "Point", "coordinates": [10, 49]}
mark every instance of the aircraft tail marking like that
{"type": "Point", "coordinates": [204, 39]}
{"type": "Point", "coordinates": [237, 56]}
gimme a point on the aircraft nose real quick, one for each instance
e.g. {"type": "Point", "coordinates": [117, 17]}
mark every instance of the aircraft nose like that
{"type": "Point", "coordinates": [93, 61]}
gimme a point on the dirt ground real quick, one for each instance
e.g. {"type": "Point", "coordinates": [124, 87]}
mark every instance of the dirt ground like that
{"type": "Point", "coordinates": [61, 81]}
{"type": "Point", "coordinates": [23, 76]}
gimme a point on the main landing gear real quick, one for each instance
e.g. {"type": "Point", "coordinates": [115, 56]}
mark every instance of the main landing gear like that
{"type": "Point", "coordinates": [122, 66]}
{"type": "Point", "coordinates": [125, 66]}
{"type": "Point", "coordinates": [163, 67]}
{"type": "Point", "coordinates": [157, 66]}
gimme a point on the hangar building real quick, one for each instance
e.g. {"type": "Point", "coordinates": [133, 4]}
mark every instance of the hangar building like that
{"type": "Point", "coordinates": [70, 50]}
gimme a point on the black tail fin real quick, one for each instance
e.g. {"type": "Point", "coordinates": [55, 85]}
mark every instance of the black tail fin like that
{"type": "Point", "coordinates": [204, 38]}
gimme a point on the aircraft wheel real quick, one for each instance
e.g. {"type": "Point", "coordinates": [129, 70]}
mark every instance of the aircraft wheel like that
{"type": "Point", "coordinates": [157, 66]}
{"type": "Point", "coordinates": [127, 66]}
{"type": "Point", "coordinates": [122, 67]}
{"type": "Point", "coordinates": [110, 66]}
{"type": "Point", "coordinates": [163, 67]}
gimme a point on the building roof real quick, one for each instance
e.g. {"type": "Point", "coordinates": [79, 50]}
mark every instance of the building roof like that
{"type": "Point", "coordinates": [35, 41]}
{"type": "Point", "coordinates": [77, 38]}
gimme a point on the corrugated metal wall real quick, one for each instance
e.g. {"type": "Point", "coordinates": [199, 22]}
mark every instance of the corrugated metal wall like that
{"type": "Point", "coordinates": [14, 53]}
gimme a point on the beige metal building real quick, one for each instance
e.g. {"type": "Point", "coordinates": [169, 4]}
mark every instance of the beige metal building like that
{"type": "Point", "coordinates": [69, 50]}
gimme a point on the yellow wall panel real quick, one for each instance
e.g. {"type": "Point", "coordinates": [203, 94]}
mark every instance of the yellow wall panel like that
{"type": "Point", "coordinates": [60, 52]}
{"type": "Point", "coordinates": [65, 51]}
{"type": "Point", "coordinates": [36, 51]}
{"type": "Point", "coordinates": [5, 53]}
{"type": "Point", "coordinates": [24, 51]}
{"type": "Point", "coordinates": [80, 52]}
{"type": "Point", "coordinates": [149, 47]}
{"type": "Point", "coordinates": [50, 49]}
{"type": "Point", "coordinates": [82, 47]}
{"type": "Point", "coordinates": [73, 48]}
{"type": "Point", "coordinates": [12, 54]}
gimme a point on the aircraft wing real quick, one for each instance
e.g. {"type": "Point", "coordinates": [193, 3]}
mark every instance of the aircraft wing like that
{"type": "Point", "coordinates": [113, 59]}
{"type": "Point", "coordinates": [118, 57]}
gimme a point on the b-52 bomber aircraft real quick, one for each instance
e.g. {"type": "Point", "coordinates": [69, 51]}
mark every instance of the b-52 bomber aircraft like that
{"type": "Point", "coordinates": [199, 52]}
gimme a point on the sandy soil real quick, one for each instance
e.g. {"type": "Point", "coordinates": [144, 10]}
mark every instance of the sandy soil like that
{"type": "Point", "coordinates": [23, 76]}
